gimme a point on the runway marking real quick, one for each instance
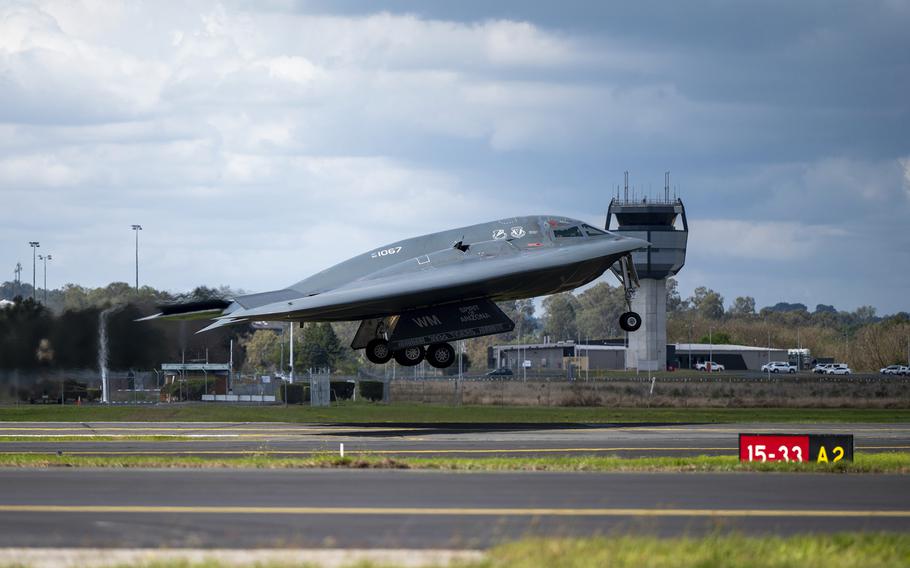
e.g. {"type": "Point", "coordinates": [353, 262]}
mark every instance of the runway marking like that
{"type": "Point", "coordinates": [456, 511]}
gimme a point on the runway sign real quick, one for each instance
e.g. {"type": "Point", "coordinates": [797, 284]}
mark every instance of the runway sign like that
{"type": "Point", "coordinates": [820, 448]}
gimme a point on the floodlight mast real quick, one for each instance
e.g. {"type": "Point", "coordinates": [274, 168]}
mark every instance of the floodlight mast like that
{"type": "Point", "coordinates": [45, 258]}
{"type": "Point", "coordinates": [136, 229]}
{"type": "Point", "coordinates": [34, 245]}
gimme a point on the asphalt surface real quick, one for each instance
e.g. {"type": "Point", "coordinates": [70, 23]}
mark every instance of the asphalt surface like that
{"type": "Point", "coordinates": [239, 439]}
{"type": "Point", "coordinates": [422, 509]}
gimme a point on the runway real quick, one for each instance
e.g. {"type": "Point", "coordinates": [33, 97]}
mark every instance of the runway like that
{"type": "Point", "coordinates": [464, 440]}
{"type": "Point", "coordinates": [422, 509]}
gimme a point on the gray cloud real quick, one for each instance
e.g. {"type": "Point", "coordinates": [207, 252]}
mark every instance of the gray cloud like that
{"type": "Point", "coordinates": [260, 142]}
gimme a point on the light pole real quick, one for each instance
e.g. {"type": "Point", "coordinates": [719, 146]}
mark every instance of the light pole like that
{"type": "Point", "coordinates": [136, 229]}
{"type": "Point", "coordinates": [34, 245]}
{"type": "Point", "coordinates": [45, 258]}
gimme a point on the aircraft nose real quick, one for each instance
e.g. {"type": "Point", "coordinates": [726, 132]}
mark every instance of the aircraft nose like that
{"type": "Point", "coordinates": [635, 243]}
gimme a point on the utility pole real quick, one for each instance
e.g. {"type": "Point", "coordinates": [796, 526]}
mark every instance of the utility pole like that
{"type": "Point", "coordinates": [45, 258]}
{"type": "Point", "coordinates": [136, 229]}
{"type": "Point", "coordinates": [291, 356]}
{"type": "Point", "coordinates": [34, 245]}
{"type": "Point", "coordinates": [18, 281]}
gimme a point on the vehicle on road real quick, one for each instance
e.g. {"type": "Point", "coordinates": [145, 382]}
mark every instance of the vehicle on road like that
{"type": "Point", "coordinates": [416, 296]}
{"type": "Point", "coordinates": [901, 370]}
{"type": "Point", "coordinates": [778, 367]}
{"type": "Point", "coordinates": [709, 366]}
{"type": "Point", "coordinates": [838, 369]}
{"type": "Point", "coordinates": [821, 368]}
{"type": "Point", "coordinates": [503, 372]}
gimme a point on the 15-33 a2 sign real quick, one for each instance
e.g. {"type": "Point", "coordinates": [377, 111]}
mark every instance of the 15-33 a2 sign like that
{"type": "Point", "coordinates": [821, 448]}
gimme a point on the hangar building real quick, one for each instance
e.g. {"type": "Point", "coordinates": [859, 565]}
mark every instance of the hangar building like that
{"type": "Point", "coordinates": [612, 356]}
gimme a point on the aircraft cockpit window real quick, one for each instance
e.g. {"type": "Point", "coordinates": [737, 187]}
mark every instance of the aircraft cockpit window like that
{"type": "Point", "coordinates": [592, 232]}
{"type": "Point", "coordinates": [567, 232]}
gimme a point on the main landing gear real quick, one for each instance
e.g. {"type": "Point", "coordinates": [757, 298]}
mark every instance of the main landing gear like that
{"type": "Point", "coordinates": [439, 355]}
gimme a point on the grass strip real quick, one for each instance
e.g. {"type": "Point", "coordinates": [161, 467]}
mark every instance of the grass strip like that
{"type": "Point", "coordinates": [365, 412]}
{"type": "Point", "coordinates": [105, 438]}
{"type": "Point", "coordinates": [717, 550]}
{"type": "Point", "coordinates": [895, 463]}
{"type": "Point", "coordinates": [721, 550]}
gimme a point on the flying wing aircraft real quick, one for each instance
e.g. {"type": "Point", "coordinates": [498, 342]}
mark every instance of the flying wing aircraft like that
{"type": "Point", "coordinates": [414, 297]}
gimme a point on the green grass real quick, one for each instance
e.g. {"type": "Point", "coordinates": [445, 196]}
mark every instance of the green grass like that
{"type": "Point", "coordinates": [864, 463]}
{"type": "Point", "coordinates": [428, 413]}
{"type": "Point", "coordinates": [842, 550]}
{"type": "Point", "coordinates": [728, 551]}
{"type": "Point", "coordinates": [101, 438]}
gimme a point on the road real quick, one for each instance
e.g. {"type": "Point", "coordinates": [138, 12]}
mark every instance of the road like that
{"type": "Point", "coordinates": [238, 439]}
{"type": "Point", "coordinates": [422, 509]}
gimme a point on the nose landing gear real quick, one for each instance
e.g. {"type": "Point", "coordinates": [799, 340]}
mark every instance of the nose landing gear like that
{"type": "Point", "coordinates": [624, 270]}
{"type": "Point", "coordinates": [630, 321]}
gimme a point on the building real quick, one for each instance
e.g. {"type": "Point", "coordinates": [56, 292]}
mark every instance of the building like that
{"type": "Point", "coordinates": [661, 222]}
{"type": "Point", "coordinates": [558, 356]}
{"type": "Point", "coordinates": [605, 355]}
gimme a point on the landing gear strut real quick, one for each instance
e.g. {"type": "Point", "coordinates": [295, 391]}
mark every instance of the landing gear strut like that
{"type": "Point", "coordinates": [624, 270]}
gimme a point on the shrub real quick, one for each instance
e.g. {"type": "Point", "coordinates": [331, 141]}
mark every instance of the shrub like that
{"type": "Point", "coordinates": [371, 390]}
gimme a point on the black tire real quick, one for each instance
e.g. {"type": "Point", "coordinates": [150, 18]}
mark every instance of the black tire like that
{"type": "Point", "coordinates": [378, 351]}
{"type": "Point", "coordinates": [630, 321]}
{"type": "Point", "coordinates": [792, 371]}
{"type": "Point", "coordinates": [410, 356]}
{"type": "Point", "coordinates": [441, 355]}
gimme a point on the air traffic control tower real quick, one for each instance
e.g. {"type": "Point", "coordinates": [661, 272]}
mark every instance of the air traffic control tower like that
{"type": "Point", "coordinates": [656, 221]}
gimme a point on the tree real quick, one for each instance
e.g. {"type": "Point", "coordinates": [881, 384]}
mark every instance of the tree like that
{"type": "Point", "coordinates": [522, 313]}
{"type": "Point", "coordinates": [743, 306]}
{"type": "Point", "coordinates": [599, 308]}
{"type": "Point", "coordinates": [675, 303]}
{"type": "Point", "coordinates": [318, 346]}
{"type": "Point", "coordinates": [717, 338]}
{"type": "Point", "coordinates": [559, 322]}
{"type": "Point", "coordinates": [708, 303]}
{"type": "Point", "coordinates": [263, 348]}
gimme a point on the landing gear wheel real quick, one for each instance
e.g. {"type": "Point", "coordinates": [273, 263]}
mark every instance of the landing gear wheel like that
{"type": "Point", "coordinates": [378, 351]}
{"type": "Point", "coordinates": [410, 356]}
{"type": "Point", "coordinates": [441, 355]}
{"type": "Point", "coordinates": [630, 321]}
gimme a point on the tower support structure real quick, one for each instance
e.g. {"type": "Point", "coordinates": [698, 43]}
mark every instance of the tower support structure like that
{"type": "Point", "coordinates": [663, 223]}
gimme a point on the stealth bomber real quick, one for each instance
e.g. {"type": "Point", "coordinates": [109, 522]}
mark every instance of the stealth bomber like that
{"type": "Point", "coordinates": [414, 297]}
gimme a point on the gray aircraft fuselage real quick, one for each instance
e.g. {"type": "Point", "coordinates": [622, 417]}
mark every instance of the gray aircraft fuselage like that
{"type": "Point", "coordinates": [508, 259]}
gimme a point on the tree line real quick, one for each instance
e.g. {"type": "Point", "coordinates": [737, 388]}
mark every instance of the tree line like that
{"type": "Point", "coordinates": [64, 332]}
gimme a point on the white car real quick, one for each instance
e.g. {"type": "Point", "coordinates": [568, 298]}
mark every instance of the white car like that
{"type": "Point", "coordinates": [709, 366]}
{"type": "Point", "coordinates": [821, 368]}
{"type": "Point", "coordinates": [778, 367]}
{"type": "Point", "coordinates": [895, 370]}
{"type": "Point", "coordinates": [838, 369]}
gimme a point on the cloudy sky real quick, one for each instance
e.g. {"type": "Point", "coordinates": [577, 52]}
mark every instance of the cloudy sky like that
{"type": "Point", "coordinates": [259, 142]}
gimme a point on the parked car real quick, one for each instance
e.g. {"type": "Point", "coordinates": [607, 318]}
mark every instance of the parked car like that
{"type": "Point", "coordinates": [778, 367]}
{"type": "Point", "coordinates": [709, 366]}
{"type": "Point", "coordinates": [821, 368]}
{"type": "Point", "coordinates": [502, 372]}
{"type": "Point", "coordinates": [838, 369]}
{"type": "Point", "coordinates": [895, 370]}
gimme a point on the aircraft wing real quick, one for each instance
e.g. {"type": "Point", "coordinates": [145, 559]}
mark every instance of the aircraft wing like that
{"type": "Point", "coordinates": [500, 273]}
